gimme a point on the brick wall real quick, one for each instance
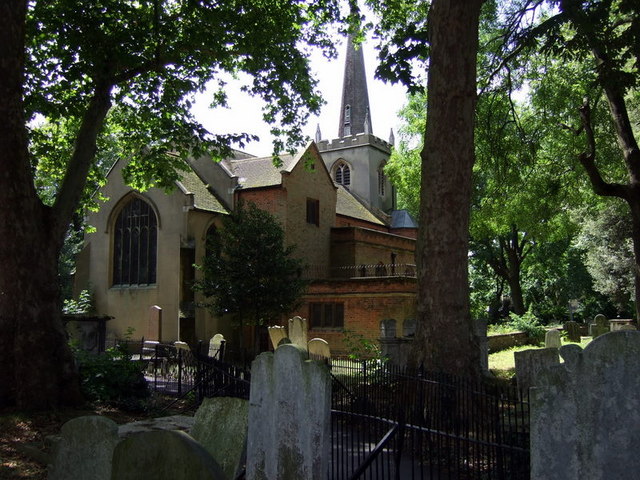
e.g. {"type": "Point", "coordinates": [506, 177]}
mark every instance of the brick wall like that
{"type": "Point", "coordinates": [366, 303]}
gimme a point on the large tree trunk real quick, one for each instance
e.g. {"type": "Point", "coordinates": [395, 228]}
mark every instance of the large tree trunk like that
{"type": "Point", "coordinates": [36, 365]}
{"type": "Point", "coordinates": [445, 335]}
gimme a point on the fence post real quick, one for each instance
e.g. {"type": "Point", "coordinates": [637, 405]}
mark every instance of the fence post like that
{"type": "Point", "coordinates": [179, 352]}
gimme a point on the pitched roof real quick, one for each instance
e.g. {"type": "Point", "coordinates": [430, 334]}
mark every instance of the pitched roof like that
{"type": "Point", "coordinates": [259, 172]}
{"type": "Point", "coordinates": [350, 206]}
{"type": "Point", "coordinates": [203, 197]}
{"type": "Point", "coordinates": [402, 219]}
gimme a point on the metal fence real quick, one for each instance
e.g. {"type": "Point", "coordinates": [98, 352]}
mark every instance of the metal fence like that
{"type": "Point", "coordinates": [387, 422]}
{"type": "Point", "coordinates": [395, 423]}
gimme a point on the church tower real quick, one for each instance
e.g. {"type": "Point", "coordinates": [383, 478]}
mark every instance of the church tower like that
{"type": "Point", "coordinates": [356, 159]}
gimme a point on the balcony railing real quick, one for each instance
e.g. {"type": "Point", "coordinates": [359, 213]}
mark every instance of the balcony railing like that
{"type": "Point", "coordinates": [406, 270]}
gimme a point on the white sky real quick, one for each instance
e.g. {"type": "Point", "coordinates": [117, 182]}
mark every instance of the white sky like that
{"type": "Point", "coordinates": [244, 113]}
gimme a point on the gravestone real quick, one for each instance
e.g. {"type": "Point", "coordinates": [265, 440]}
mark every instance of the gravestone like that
{"type": "Point", "coordinates": [289, 416]}
{"type": "Point", "coordinates": [530, 363]}
{"type": "Point", "coordinates": [84, 449]}
{"type": "Point", "coordinates": [388, 328]}
{"type": "Point", "coordinates": [298, 331]}
{"type": "Point", "coordinates": [163, 455]}
{"type": "Point", "coordinates": [483, 342]}
{"type": "Point", "coordinates": [154, 325]}
{"type": "Point", "coordinates": [409, 327]}
{"type": "Point", "coordinates": [600, 326]}
{"type": "Point", "coordinates": [319, 347]}
{"type": "Point", "coordinates": [181, 345]}
{"type": "Point", "coordinates": [276, 334]}
{"type": "Point", "coordinates": [552, 339]}
{"type": "Point", "coordinates": [183, 423]}
{"type": "Point", "coordinates": [215, 345]}
{"type": "Point", "coordinates": [573, 331]}
{"type": "Point", "coordinates": [585, 413]}
{"type": "Point", "coordinates": [220, 426]}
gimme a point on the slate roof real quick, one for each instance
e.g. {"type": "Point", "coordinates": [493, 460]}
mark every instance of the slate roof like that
{"type": "Point", "coordinates": [203, 198]}
{"type": "Point", "coordinates": [260, 171]}
{"type": "Point", "coordinates": [350, 206]}
{"type": "Point", "coordinates": [402, 219]}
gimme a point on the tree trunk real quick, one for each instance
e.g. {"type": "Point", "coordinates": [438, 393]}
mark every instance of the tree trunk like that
{"type": "Point", "coordinates": [634, 205]}
{"type": "Point", "coordinates": [37, 369]}
{"type": "Point", "coordinates": [445, 335]}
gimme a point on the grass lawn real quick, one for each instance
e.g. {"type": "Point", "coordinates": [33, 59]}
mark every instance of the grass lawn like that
{"type": "Point", "coordinates": [502, 363]}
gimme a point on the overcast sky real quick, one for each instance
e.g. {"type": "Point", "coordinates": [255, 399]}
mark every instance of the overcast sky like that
{"type": "Point", "coordinates": [244, 114]}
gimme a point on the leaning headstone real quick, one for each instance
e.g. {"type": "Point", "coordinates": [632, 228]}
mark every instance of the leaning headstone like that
{"type": "Point", "coordinates": [552, 339]}
{"type": "Point", "coordinates": [319, 349]}
{"type": "Point", "coordinates": [298, 331]}
{"type": "Point", "coordinates": [163, 455]}
{"type": "Point", "coordinates": [276, 334]}
{"type": "Point", "coordinates": [573, 331]}
{"type": "Point", "coordinates": [388, 328]}
{"type": "Point", "coordinates": [585, 413]}
{"type": "Point", "coordinates": [530, 363]}
{"type": "Point", "coordinates": [220, 426]}
{"type": "Point", "coordinates": [289, 416]}
{"type": "Point", "coordinates": [215, 345]}
{"type": "Point", "coordinates": [154, 324]}
{"type": "Point", "coordinates": [600, 326]}
{"type": "Point", "coordinates": [84, 449]}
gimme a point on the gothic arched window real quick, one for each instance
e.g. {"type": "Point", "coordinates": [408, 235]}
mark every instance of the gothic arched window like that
{"type": "Point", "coordinates": [343, 174]}
{"type": "Point", "coordinates": [135, 242]}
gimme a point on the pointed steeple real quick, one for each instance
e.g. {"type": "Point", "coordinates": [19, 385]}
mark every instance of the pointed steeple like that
{"type": "Point", "coordinates": [354, 115]}
{"type": "Point", "coordinates": [318, 134]}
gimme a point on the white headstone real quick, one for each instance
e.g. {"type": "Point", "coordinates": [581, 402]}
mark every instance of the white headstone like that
{"type": "Point", "coordinates": [214, 346]}
{"type": "Point", "coordinates": [298, 331]}
{"type": "Point", "coordinates": [552, 339]}
{"type": "Point", "coordinates": [319, 347]}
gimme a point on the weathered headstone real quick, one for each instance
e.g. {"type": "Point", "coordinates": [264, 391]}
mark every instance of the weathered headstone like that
{"type": "Point", "coordinates": [84, 449]}
{"type": "Point", "coordinates": [319, 348]}
{"type": "Point", "coordinates": [298, 331]}
{"type": "Point", "coordinates": [277, 333]}
{"type": "Point", "coordinates": [409, 327]}
{"type": "Point", "coordinates": [289, 416]}
{"type": "Point", "coordinates": [585, 413]}
{"type": "Point", "coordinates": [483, 342]}
{"type": "Point", "coordinates": [221, 428]}
{"type": "Point", "coordinates": [552, 339]}
{"type": "Point", "coordinates": [388, 328]}
{"type": "Point", "coordinates": [163, 455]}
{"type": "Point", "coordinates": [600, 326]}
{"type": "Point", "coordinates": [530, 363]}
{"type": "Point", "coordinates": [154, 325]}
{"type": "Point", "coordinates": [183, 423]}
{"type": "Point", "coordinates": [215, 346]}
{"type": "Point", "coordinates": [573, 331]}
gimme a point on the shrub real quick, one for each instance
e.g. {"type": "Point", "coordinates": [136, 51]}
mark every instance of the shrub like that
{"type": "Point", "coordinates": [112, 377]}
{"type": "Point", "coordinates": [529, 324]}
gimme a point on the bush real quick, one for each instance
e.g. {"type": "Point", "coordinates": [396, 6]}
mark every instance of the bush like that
{"type": "Point", "coordinates": [112, 377]}
{"type": "Point", "coordinates": [529, 324]}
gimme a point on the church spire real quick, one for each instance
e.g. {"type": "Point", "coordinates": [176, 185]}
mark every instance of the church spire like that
{"type": "Point", "coordinates": [354, 115]}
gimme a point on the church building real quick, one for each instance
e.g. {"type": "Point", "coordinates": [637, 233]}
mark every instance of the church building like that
{"type": "Point", "coordinates": [333, 200]}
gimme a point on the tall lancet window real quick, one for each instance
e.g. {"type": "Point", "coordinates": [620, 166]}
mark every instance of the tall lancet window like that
{"type": "Point", "coordinates": [343, 174]}
{"type": "Point", "coordinates": [135, 244]}
{"type": "Point", "coordinates": [381, 179]}
{"type": "Point", "coordinates": [347, 120]}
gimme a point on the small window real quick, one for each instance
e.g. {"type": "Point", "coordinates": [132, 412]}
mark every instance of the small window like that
{"type": "Point", "coordinates": [381, 180]}
{"type": "Point", "coordinates": [313, 211]}
{"type": "Point", "coordinates": [326, 315]}
{"type": "Point", "coordinates": [343, 174]}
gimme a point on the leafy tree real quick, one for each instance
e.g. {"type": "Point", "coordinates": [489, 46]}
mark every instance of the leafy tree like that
{"type": "Point", "coordinates": [248, 272]}
{"type": "Point", "coordinates": [128, 67]}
